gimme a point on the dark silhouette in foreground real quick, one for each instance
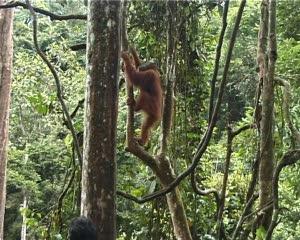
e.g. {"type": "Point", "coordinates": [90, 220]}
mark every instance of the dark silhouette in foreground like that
{"type": "Point", "coordinates": [82, 228]}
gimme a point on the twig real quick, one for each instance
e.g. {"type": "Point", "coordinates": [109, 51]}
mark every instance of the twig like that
{"type": "Point", "coordinates": [52, 16]}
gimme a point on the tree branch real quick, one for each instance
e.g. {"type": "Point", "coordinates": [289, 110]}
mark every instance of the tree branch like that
{"type": "Point", "coordinates": [52, 16]}
{"type": "Point", "coordinates": [205, 192]}
{"type": "Point", "coordinates": [251, 188]}
{"type": "Point", "coordinates": [79, 46]}
{"type": "Point", "coordinates": [57, 81]}
{"type": "Point", "coordinates": [243, 215]}
{"type": "Point", "coordinates": [231, 134]}
{"type": "Point", "coordinates": [129, 88]}
{"type": "Point", "coordinates": [217, 60]}
{"type": "Point", "coordinates": [260, 210]}
{"type": "Point", "coordinates": [289, 158]}
{"type": "Point", "coordinates": [170, 76]}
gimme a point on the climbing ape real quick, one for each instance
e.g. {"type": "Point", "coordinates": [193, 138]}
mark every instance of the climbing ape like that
{"type": "Point", "coordinates": [150, 98]}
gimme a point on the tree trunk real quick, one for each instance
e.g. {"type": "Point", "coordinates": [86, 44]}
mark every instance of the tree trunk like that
{"type": "Point", "coordinates": [268, 170]}
{"type": "Point", "coordinates": [266, 167]}
{"type": "Point", "coordinates": [166, 173]}
{"type": "Point", "coordinates": [6, 51]}
{"type": "Point", "coordinates": [99, 163]}
{"type": "Point", "coordinates": [175, 204]}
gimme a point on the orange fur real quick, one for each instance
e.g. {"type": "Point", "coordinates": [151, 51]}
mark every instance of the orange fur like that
{"type": "Point", "coordinates": [150, 98]}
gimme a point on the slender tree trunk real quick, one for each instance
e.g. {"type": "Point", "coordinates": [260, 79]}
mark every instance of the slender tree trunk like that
{"type": "Point", "coordinates": [6, 50]}
{"type": "Point", "coordinates": [269, 163]}
{"type": "Point", "coordinates": [99, 163]}
{"type": "Point", "coordinates": [24, 225]}
{"type": "Point", "coordinates": [166, 175]}
{"type": "Point", "coordinates": [220, 227]}
{"type": "Point", "coordinates": [266, 167]}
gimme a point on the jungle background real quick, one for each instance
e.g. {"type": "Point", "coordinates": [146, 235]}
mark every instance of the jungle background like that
{"type": "Point", "coordinates": [40, 157]}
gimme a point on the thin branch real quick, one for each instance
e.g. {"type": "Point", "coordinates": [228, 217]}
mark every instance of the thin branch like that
{"type": "Point", "coordinates": [205, 192]}
{"type": "Point", "coordinates": [241, 129]}
{"type": "Point", "coordinates": [251, 188]}
{"type": "Point", "coordinates": [171, 78]}
{"type": "Point", "coordinates": [52, 16]}
{"type": "Point", "coordinates": [217, 60]}
{"type": "Point", "coordinates": [79, 46]}
{"type": "Point", "coordinates": [73, 114]}
{"type": "Point", "coordinates": [79, 105]}
{"type": "Point", "coordinates": [231, 134]}
{"type": "Point", "coordinates": [130, 197]}
{"type": "Point", "coordinates": [57, 81]}
{"type": "Point", "coordinates": [225, 180]}
{"type": "Point", "coordinates": [62, 196]}
{"type": "Point", "coordinates": [129, 87]}
{"type": "Point", "coordinates": [260, 210]}
{"type": "Point", "coordinates": [243, 215]}
{"type": "Point", "coordinates": [134, 148]}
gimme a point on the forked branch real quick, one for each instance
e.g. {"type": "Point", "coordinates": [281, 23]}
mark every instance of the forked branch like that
{"type": "Point", "coordinates": [52, 16]}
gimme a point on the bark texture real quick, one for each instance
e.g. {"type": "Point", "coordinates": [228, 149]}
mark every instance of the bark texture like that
{"type": "Point", "coordinates": [99, 163]}
{"type": "Point", "coordinates": [6, 51]}
{"type": "Point", "coordinates": [268, 92]}
{"type": "Point", "coordinates": [267, 67]}
{"type": "Point", "coordinates": [174, 200]}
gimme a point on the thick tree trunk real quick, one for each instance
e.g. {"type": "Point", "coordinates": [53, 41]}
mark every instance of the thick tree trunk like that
{"type": "Point", "coordinates": [266, 167]}
{"type": "Point", "coordinates": [99, 164]}
{"type": "Point", "coordinates": [6, 50]}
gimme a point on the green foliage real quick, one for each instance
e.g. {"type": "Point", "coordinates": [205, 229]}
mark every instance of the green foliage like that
{"type": "Point", "coordinates": [260, 233]}
{"type": "Point", "coordinates": [39, 155]}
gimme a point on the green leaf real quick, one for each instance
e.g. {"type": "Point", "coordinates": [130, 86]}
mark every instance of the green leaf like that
{"type": "Point", "coordinates": [260, 233]}
{"type": "Point", "coordinates": [68, 140]}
